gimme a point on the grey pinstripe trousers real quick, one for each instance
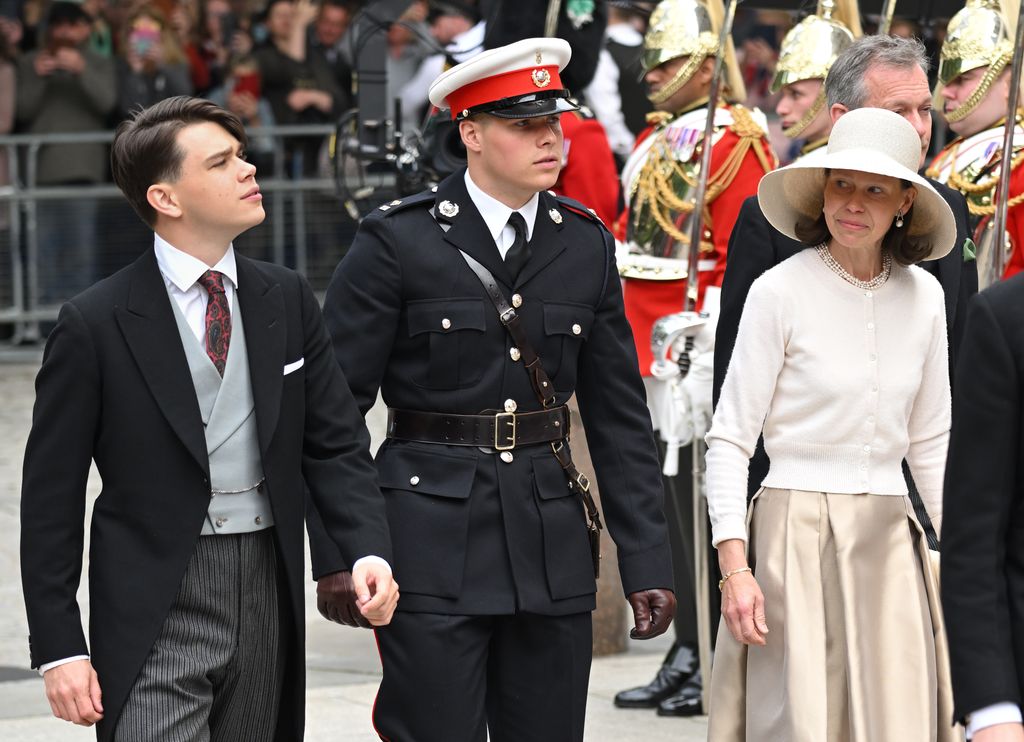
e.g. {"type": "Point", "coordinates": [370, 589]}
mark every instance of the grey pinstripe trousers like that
{"type": "Point", "coordinates": [214, 673]}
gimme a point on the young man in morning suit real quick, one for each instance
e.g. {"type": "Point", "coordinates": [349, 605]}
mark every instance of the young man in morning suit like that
{"type": "Point", "coordinates": [489, 531]}
{"type": "Point", "coordinates": [983, 507]}
{"type": "Point", "coordinates": [203, 386]}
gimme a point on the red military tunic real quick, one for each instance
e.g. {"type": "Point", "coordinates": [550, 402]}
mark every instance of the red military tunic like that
{"type": "Point", "coordinates": [589, 174]}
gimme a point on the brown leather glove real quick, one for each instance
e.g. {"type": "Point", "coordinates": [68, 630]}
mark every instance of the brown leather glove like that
{"type": "Point", "coordinates": [336, 600]}
{"type": "Point", "coordinates": [653, 611]}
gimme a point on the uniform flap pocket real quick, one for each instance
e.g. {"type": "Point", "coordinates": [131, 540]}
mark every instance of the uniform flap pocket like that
{"type": "Point", "coordinates": [551, 480]}
{"type": "Point", "coordinates": [563, 318]}
{"type": "Point", "coordinates": [428, 472]}
{"type": "Point", "coordinates": [446, 315]}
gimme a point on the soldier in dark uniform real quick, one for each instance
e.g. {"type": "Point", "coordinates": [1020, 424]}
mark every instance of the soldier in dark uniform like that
{"type": "Point", "coordinates": [488, 515]}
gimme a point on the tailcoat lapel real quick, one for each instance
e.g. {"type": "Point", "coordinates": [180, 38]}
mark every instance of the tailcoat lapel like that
{"type": "Point", "coordinates": [468, 231]}
{"type": "Point", "coordinates": [546, 243]}
{"type": "Point", "coordinates": [147, 323]}
{"type": "Point", "coordinates": [263, 314]}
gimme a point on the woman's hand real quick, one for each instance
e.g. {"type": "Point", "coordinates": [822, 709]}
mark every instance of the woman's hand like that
{"type": "Point", "coordinates": [742, 600]}
{"type": "Point", "coordinates": [743, 609]}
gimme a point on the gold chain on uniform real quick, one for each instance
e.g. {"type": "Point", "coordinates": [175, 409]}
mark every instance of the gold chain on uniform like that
{"type": "Point", "coordinates": [984, 186]}
{"type": "Point", "coordinates": [654, 181]}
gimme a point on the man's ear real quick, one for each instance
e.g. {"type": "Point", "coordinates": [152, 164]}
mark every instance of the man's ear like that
{"type": "Point", "coordinates": [837, 110]}
{"type": "Point", "coordinates": [164, 200]}
{"type": "Point", "coordinates": [471, 132]}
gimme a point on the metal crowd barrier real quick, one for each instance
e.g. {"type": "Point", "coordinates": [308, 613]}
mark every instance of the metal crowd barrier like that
{"type": "Point", "coordinates": [56, 240]}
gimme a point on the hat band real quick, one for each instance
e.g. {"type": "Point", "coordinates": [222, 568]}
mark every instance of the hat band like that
{"type": "Point", "coordinates": [501, 87]}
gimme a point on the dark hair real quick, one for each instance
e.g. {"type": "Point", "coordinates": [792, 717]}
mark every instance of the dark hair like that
{"type": "Point", "coordinates": [904, 250]}
{"type": "Point", "coordinates": [67, 12]}
{"type": "Point", "coordinates": [145, 149]}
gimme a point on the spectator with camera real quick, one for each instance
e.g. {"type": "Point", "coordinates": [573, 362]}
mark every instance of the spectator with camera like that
{"type": "Point", "coordinates": [299, 86]}
{"type": "Point", "coordinates": [66, 87]}
{"type": "Point", "coordinates": [152, 65]}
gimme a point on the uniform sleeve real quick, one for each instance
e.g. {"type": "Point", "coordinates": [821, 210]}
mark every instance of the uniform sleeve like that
{"type": "Point", "coordinates": [56, 470]}
{"type": "Point", "coordinates": [749, 255]}
{"type": "Point", "coordinates": [982, 490]}
{"type": "Point", "coordinates": [746, 397]}
{"type": "Point", "coordinates": [930, 419]}
{"type": "Point", "coordinates": [621, 441]}
{"type": "Point", "coordinates": [362, 307]}
{"type": "Point", "coordinates": [336, 462]}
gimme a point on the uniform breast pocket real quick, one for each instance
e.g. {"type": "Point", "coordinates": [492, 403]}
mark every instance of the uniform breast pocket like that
{"type": "Point", "coordinates": [566, 327]}
{"type": "Point", "coordinates": [449, 331]}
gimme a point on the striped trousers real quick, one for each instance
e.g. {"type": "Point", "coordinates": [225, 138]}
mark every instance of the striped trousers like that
{"type": "Point", "coordinates": [214, 673]}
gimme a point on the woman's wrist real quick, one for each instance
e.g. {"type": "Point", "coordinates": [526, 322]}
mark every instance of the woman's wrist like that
{"type": "Point", "coordinates": [732, 555]}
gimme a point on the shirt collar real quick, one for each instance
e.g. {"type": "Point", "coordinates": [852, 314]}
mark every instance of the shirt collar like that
{"type": "Point", "coordinates": [183, 270]}
{"type": "Point", "coordinates": [496, 214]}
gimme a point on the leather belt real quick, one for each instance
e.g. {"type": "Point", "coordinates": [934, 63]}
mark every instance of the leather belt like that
{"type": "Point", "coordinates": [501, 431]}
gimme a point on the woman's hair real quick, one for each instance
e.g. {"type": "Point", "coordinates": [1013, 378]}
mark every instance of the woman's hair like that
{"type": "Point", "coordinates": [173, 53]}
{"type": "Point", "coordinates": [905, 250]}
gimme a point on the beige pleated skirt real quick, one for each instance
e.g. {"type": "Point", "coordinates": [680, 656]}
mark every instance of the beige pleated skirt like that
{"type": "Point", "coordinates": [856, 649]}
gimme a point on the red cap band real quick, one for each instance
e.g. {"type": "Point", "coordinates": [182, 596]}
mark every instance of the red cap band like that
{"type": "Point", "coordinates": [506, 85]}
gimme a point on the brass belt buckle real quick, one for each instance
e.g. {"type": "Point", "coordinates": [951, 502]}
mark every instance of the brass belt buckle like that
{"type": "Point", "coordinates": [507, 441]}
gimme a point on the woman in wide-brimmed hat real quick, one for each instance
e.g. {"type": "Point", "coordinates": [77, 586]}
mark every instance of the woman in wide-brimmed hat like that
{"type": "Point", "coordinates": [831, 627]}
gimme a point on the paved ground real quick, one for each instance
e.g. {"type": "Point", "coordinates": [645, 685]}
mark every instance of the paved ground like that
{"type": "Point", "coordinates": [343, 669]}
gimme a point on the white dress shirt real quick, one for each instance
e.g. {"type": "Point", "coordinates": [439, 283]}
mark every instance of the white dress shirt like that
{"type": "Point", "coordinates": [496, 215]}
{"type": "Point", "coordinates": [997, 713]}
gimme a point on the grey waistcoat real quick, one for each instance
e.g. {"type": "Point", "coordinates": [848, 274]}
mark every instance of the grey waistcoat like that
{"type": "Point", "coordinates": [238, 497]}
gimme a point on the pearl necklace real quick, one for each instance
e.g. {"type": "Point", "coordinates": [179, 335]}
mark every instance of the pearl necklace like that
{"type": "Point", "coordinates": [839, 270]}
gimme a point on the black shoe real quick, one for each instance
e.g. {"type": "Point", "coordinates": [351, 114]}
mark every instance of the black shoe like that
{"type": "Point", "coordinates": [680, 664]}
{"type": "Point", "coordinates": [686, 701]}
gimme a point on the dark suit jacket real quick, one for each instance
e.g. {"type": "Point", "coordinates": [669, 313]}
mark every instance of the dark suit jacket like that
{"type": "Point", "coordinates": [473, 534]}
{"type": "Point", "coordinates": [983, 509]}
{"type": "Point", "coordinates": [115, 388]}
{"type": "Point", "coordinates": [755, 246]}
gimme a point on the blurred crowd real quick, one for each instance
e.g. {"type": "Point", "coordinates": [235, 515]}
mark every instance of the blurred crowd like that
{"type": "Point", "coordinates": [77, 66]}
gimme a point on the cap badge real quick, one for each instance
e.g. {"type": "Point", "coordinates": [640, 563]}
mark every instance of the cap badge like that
{"type": "Point", "coordinates": [556, 216]}
{"type": "Point", "coordinates": [448, 209]}
{"type": "Point", "coordinates": [539, 57]}
{"type": "Point", "coordinates": [541, 78]}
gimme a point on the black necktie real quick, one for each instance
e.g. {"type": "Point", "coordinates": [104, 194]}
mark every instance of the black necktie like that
{"type": "Point", "coordinates": [519, 253]}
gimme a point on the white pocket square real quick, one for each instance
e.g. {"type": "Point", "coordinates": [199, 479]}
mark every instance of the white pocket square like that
{"type": "Point", "coordinates": [293, 366]}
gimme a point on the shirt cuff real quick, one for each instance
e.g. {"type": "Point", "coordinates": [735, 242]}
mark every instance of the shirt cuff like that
{"type": "Point", "coordinates": [371, 560]}
{"type": "Point", "coordinates": [997, 713]}
{"type": "Point", "coordinates": [57, 663]}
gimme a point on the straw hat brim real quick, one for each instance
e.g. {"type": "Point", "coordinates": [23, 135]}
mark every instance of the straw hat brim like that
{"type": "Point", "coordinates": [796, 192]}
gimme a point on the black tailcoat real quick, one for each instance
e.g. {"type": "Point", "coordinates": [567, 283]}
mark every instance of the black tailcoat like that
{"type": "Point", "coordinates": [983, 506]}
{"type": "Point", "coordinates": [474, 534]}
{"type": "Point", "coordinates": [115, 388]}
{"type": "Point", "coordinates": [755, 246]}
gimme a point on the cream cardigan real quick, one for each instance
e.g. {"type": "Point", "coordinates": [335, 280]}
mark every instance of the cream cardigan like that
{"type": "Point", "coordinates": [844, 383]}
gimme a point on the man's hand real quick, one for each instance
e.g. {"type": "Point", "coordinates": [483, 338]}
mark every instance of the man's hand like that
{"type": "Point", "coordinates": [653, 611]}
{"type": "Point", "coordinates": [70, 60]}
{"type": "Point", "coordinates": [336, 600]}
{"type": "Point", "coordinates": [1000, 733]}
{"type": "Point", "coordinates": [376, 592]}
{"type": "Point", "coordinates": [44, 64]}
{"type": "Point", "coordinates": [73, 691]}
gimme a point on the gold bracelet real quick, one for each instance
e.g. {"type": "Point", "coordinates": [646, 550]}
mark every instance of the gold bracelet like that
{"type": "Point", "coordinates": [727, 575]}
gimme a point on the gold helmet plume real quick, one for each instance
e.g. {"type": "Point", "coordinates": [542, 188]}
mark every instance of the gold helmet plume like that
{"type": "Point", "coordinates": [809, 49]}
{"type": "Point", "coordinates": [980, 35]}
{"type": "Point", "coordinates": [689, 28]}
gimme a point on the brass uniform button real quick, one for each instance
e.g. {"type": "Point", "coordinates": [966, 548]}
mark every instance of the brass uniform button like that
{"type": "Point", "coordinates": [446, 323]}
{"type": "Point", "coordinates": [517, 301]}
{"type": "Point", "coordinates": [414, 480]}
{"type": "Point", "coordinates": [514, 354]}
{"type": "Point", "coordinates": [576, 329]}
{"type": "Point", "coordinates": [507, 457]}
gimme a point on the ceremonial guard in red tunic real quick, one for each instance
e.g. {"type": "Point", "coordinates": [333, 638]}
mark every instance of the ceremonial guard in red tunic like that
{"type": "Point", "coordinates": [659, 181]}
{"type": "Point", "coordinates": [974, 80]}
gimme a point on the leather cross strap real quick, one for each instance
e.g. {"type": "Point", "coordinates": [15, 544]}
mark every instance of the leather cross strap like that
{"type": "Point", "coordinates": [545, 392]}
{"type": "Point", "coordinates": [502, 431]}
{"type": "Point", "coordinates": [542, 385]}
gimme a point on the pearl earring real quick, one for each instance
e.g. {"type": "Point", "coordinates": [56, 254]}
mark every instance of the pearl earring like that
{"type": "Point", "coordinates": [899, 218]}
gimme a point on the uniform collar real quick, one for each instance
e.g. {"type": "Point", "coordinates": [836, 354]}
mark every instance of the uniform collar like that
{"type": "Point", "coordinates": [495, 214]}
{"type": "Point", "coordinates": [183, 270]}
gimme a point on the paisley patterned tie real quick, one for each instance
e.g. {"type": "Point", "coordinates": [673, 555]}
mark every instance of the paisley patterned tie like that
{"type": "Point", "coordinates": [218, 319]}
